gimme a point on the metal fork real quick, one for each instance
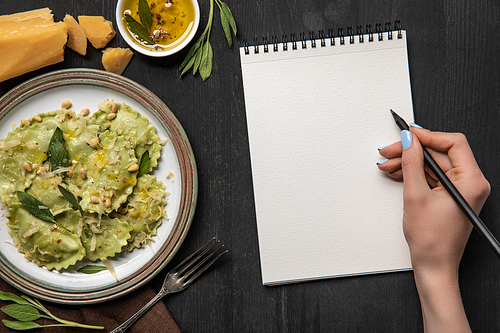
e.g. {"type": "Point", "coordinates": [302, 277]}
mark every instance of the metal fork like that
{"type": "Point", "coordinates": [181, 277]}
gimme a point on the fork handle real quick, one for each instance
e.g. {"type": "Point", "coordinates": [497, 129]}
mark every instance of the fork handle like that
{"type": "Point", "coordinates": [123, 327]}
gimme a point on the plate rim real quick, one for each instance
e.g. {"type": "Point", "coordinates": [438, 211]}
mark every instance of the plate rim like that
{"type": "Point", "coordinates": [187, 168]}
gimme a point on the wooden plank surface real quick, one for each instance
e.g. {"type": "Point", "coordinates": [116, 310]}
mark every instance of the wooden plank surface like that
{"type": "Point", "coordinates": [454, 55]}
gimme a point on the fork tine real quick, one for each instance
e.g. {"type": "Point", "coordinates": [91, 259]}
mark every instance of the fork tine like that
{"type": "Point", "coordinates": [200, 260]}
{"type": "Point", "coordinates": [199, 269]}
{"type": "Point", "coordinates": [200, 252]}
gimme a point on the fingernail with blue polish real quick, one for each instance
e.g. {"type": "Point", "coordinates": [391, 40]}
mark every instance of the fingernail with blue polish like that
{"type": "Point", "coordinates": [382, 161]}
{"type": "Point", "coordinates": [406, 139]}
{"type": "Point", "coordinates": [380, 148]}
{"type": "Point", "coordinates": [415, 125]}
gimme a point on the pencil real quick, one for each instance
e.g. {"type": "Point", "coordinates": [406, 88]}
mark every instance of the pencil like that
{"type": "Point", "coordinates": [455, 194]}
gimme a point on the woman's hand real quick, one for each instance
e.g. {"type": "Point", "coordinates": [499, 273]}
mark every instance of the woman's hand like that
{"type": "Point", "coordinates": [434, 226]}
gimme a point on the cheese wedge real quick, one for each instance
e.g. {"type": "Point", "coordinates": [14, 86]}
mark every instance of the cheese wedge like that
{"type": "Point", "coordinates": [115, 60]}
{"type": "Point", "coordinates": [43, 13]}
{"type": "Point", "coordinates": [29, 41]}
{"type": "Point", "coordinates": [99, 31]}
{"type": "Point", "coordinates": [77, 40]}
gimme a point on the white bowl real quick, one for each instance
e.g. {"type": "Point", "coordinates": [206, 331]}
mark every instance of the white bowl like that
{"type": "Point", "coordinates": [134, 44]}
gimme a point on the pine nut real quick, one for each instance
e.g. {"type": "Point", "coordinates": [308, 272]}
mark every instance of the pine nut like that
{"type": "Point", "coordinates": [107, 203]}
{"type": "Point", "coordinates": [66, 104]}
{"type": "Point", "coordinates": [83, 173]}
{"type": "Point", "coordinates": [25, 122]}
{"type": "Point", "coordinates": [133, 167]}
{"type": "Point", "coordinates": [114, 108]}
{"type": "Point", "coordinates": [124, 210]}
{"type": "Point", "coordinates": [95, 199]}
{"type": "Point", "coordinates": [94, 142]}
{"type": "Point", "coordinates": [71, 173]}
{"type": "Point", "coordinates": [111, 116]}
{"type": "Point", "coordinates": [85, 112]}
{"type": "Point", "coordinates": [41, 170]}
{"type": "Point", "coordinates": [38, 118]}
{"type": "Point", "coordinates": [27, 167]}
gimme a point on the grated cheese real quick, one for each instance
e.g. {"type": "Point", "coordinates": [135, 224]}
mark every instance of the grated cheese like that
{"type": "Point", "coordinates": [110, 267]}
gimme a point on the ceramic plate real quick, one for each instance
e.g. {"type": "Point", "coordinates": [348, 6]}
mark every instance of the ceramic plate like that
{"type": "Point", "coordinates": [85, 88]}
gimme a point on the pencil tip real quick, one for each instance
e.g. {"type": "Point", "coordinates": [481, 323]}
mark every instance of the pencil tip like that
{"type": "Point", "coordinates": [399, 121]}
{"type": "Point", "coordinates": [395, 115]}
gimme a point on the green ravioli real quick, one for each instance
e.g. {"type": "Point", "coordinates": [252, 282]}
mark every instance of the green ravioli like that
{"type": "Point", "coordinates": [135, 128]}
{"type": "Point", "coordinates": [105, 237]}
{"type": "Point", "coordinates": [97, 152]}
{"type": "Point", "coordinates": [44, 188]}
{"type": "Point", "coordinates": [44, 243]}
{"type": "Point", "coordinates": [145, 209]}
{"type": "Point", "coordinates": [25, 144]}
{"type": "Point", "coordinates": [107, 175]}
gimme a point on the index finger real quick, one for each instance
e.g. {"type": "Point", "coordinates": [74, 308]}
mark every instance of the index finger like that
{"type": "Point", "coordinates": [454, 144]}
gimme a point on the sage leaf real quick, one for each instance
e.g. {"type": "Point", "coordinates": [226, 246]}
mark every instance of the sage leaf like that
{"type": "Point", "coordinates": [27, 309]}
{"type": "Point", "coordinates": [22, 312]}
{"type": "Point", "coordinates": [20, 325]}
{"type": "Point", "coordinates": [33, 302]}
{"type": "Point", "coordinates": [71, 198]}
{"type": "Point", "coordinates": [91, 269]}
{"type": "Point", "coordinates": [206, 66]}
{"type": "Point", "coordinates": [6, 296]}
{"type": "Point", "coordinates": [35, 207]}
{"type": "Point", "coordinates": [57, 153]}
{"type": "Point", "coordinates": [137, 29]}
{"type": "Point", "coordinates": [145, 14]}
{"type": "Point", "coordinates": [188, 66]}
{"type": "Point", "coordinates": [227, 21]}
{"type": "Point", "coordinates": [200, 56]}
{"type": "Point", "coordinates": [197, 60]}
{"type": "Point", "coordinates": [227, 29]}
{"type": "Point", "coordinates": [143, 164]}
{"type": "Point", "coordinates": [189, 59]}
{"type": "Point", "coordinates": [204, 55]}
{"type": "Point", "coordinates": [227, 12]}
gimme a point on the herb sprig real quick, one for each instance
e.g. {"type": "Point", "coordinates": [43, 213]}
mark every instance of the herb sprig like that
{"type": "Point", "coordinates": [26, 310]}
{"type": "Point", "coordinates": [35, 207]}
{"type": "Point", "coordinates": [71, 198]}
{"type": "Point", "coordinates": [200, 56]}
{"type": "Point", "coordinates": [144, 164]}
{"type": "Point", "coordinates": [141, 29]}
{"type": "Point", "coordinates": [138, 29]}
{"type": "Point", "coordinates": [91, 269]}
{"type": "Point", "coordinates": [145, 14]}
{"type": "Point", "coordinates": [57, 154]}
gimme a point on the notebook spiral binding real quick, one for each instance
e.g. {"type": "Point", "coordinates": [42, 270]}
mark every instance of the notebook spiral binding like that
{"type": "Point", "coordinates": [324, 38]}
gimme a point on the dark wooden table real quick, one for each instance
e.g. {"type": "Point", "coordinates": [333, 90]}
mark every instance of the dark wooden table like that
{"type": "Point", "coordinates": [454, 55]}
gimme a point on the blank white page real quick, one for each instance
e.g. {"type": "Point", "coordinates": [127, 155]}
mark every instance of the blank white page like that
{"type": "Point", "coordinates": [316, 117]}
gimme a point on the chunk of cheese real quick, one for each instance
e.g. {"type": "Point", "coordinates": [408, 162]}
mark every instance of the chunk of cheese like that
{"type": "Point", "coordinates": [77, 40]}
{"type": "Point", "coordinates": [115, 60]}
{"type": "Point", "coordinates": [43, 14]}
{"type": "Point", "coordinates": [99, 31]}
{"type": "Point", "coordinates": [29, 41]}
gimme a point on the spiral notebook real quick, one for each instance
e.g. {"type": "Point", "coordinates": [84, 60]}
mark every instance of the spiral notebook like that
{"type": "Point", "coordinates": [317, 110]}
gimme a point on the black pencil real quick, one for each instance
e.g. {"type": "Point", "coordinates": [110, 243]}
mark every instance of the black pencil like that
{"type": "Point", "coordinates": [455, 194]}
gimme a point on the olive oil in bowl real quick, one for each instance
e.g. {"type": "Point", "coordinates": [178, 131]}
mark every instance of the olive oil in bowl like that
{"type": "Point", "coordinates": [161, 27]}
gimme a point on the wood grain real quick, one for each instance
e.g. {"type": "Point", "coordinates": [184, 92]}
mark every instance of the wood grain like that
{"type": "Point", "coordinates": [454, 55]}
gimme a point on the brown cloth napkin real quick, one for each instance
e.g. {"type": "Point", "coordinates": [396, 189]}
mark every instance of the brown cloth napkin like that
{"type": "Point", "coordinates": [108, 314]}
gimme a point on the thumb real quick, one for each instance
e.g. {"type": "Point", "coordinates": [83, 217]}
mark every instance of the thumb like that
{"type": "Point", "coordinates": [412, 163]}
